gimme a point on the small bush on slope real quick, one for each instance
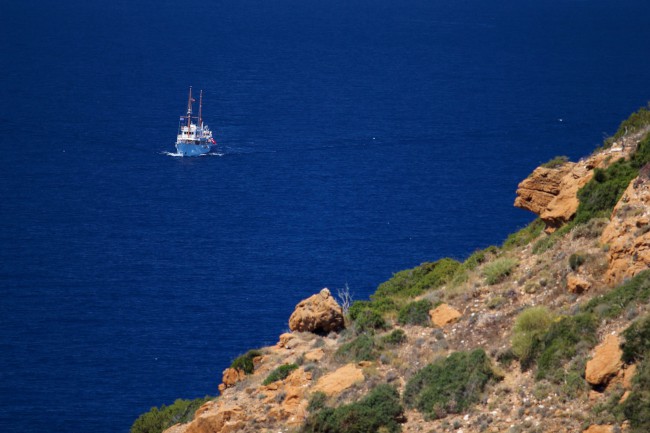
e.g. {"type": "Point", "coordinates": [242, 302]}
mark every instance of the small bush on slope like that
{"type": "Point", "coordinates": [599, 196]}
{"type": "Point", "coordinates": [413, 282]}
{"type": "Point", "coordinates": [379, 411]}
{"type": "Point", "coordinates": [637, 340]}
{"type": "Point", "coordinates": [524, 236]}
{"type": "Point", "coordinates": [279, 373]}
{"type": "Point", "coordinates": [529, 328]}
{"type": "Point", "coordinates": [362, 348]}
{"type": "Point", "coordinates": [614, 302]}
{"type": "Point", "coordinates": [637, 120]}
{"type": "Point", "coordinates": [498, 270]}
{"type": "Point", "coordinates": [449, 385]}
{"type": "Point", "coordinates": [159, 419]}
{"type": "Point", "coordinates": [415, 313]}
{"type": "Point", "coordinates": [245, 361]}
{"type": "Point", "coordinates": [367, 320]}
{"type": "Point", "coordinates": [556, 162]}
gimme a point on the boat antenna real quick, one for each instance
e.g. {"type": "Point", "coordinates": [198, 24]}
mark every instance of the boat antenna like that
{"type": "Point", "coordinates": [200, 106]}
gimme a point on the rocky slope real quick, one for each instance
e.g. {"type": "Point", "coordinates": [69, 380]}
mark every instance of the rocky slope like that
{"type": "Point", "coordinates": [568, 370]}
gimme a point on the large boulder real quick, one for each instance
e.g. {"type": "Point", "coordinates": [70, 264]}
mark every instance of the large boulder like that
{"type": "Point", "coordinates": [443, 315]}
{"type": "Point", "coordinates": [339, 380]}
{"type": "Point", "coordinates": [606, 361]}
{"type": "Point", "coordinates": [628, 233]}
{"type": "Point", "coordinates": [319, 314]}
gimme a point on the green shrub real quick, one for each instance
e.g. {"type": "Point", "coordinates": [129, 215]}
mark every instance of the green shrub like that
{"type": "Point", "coordinates": [317, 401]}
{"type": "Point", "coordinates": [368, 320]}
{"type": "Point", "coordinates": [379, 411]}
{"type": "Point", "coordinates": [280, 373]}
{"type": "Point", "coordinates": [159, 419]}
{"type": "Point", "coordinates": [479, 257]}
{"type": "Point", "coordinates": [599, 196]}
{"type": "Point", "coordinates": [637, 340]}
{"type": "Point", "coordinates": [556, 162]}
{"type": "Point", "coordinates": [564, 340]}
{"type": "Point", "coordinates": [548, 242]}
{"type": "Point", "coordinates": [395, 338]}
{"type": "Point", "coordinates": [637, 406]}
{"type": "Point", "coordinates": [524, 236]}
{"type": "Point", "coordinates": [415, 313]}
{"type": "Point", "coordinates": [498, 270]}
{"type": "Point", "coordinates": [245, 362]}
{"type": "Point", "coordinates": [614, 302]}
{"type": "Point", "coordinates": [362, 348]}
{"type": "Point", "coordinates": [637, 120]}
{"type": "Point", "coordinates": [413, 282]}
{"type": "Point", "coordinates": [576, 260]}
{"type": "Point", "coordinates": [449, 385]}
{"type": "Point", "coordinates": [529, 328]}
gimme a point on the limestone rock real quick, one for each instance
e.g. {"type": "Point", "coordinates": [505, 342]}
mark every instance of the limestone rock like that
{"type": "Point", "coordinates": [315, 355]}
{"type": "Point", "coordinates": [339, 380]}
{"type": "Point", "coordinates": [219, 419]}
{"type": "Point", "coordinates": [628, 233]}
{"type": "Point", "coordinates": [552, 193]}
{"type": "Point", "coordinates": [319, 314]}
{"type": "Point", "coordinates": [230, 377]}
{"type": "Point", "coordinates": [443, 314]}
{"type": "Point", "coordinates": [285, 340]}
{"type": "Point", "coordinates": [599, 429]}
{"type": "Point", "coordinates": [606, 361]}
{"type": "Point", "coordinates": [577, 284]}
{"type": "Point", "coordinates": [628, 374]}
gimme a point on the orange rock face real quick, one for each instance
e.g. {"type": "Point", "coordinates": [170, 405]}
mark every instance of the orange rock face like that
{"type": "Point", "coordinates": [339, 380]}
{"type": "Point", "coordinates": [628, 233]}
{"type": "Point", "coordinates": [220, 419]}
{"type": "Point", "coordinates": [599, 429]}
{"type": "Point", "coordinates": [552, 193]}
{"type": "Point", "coordinates": [230, 377]}
{"type": "Point", "coordinates": [577, 284]}
{"type": "Point", "coordinates": [606, 361]}
{"type": "Point", "coordinates": [319, 314]}
{"type": "Point", "coordinates": [443, 315]}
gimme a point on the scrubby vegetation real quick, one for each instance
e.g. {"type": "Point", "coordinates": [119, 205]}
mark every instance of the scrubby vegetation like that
{"type": "Point", "coordinates": [369, 319]}
{"type": "Point", "coordinates": [498, 270]}
{"type": "Point", "coordinates": [395, 338]}
{"type": "Point", "coordinates": [556, 162]}
{"type": "Point", "coordinates": [614, 302]}
{"type": "Point", "coordinates": [638, 120]}
{"type": "Point", "coordinates": [599, 196]}
{"type": "Point", "coordinates": [362, 348]}
{"type": "Point", "coordinates": [245, 361]}
{"type": "Point", "coordinates": [529, 329]}
{"type": "Point", "coordinates": [159, 419]}
{"type": "Point", "coordinates": [280, 373]}
{"type": "Point", "coordinates": [379, 411]}
{"type": "Point", "coordinates": [413, 282]}
{"type": "Point", "coordinates": [637, 406]}
{"type": "Point", "coordinates": [449, 385]}
{"type": "Point", "coordinates": [524, 236]}
{"type": "Point", "coordinates": [637, 340]}
{"type": "Point", "coordinates": [415, 313]}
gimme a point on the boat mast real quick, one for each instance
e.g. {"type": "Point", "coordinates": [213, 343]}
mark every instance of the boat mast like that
{"type": "Point", "coordinates": [200, 106]}
{"type": "Point", "coordinates": [189, 110]}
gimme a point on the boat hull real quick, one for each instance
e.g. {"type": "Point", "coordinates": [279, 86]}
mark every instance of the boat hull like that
{"type": "Point", "coordinates": [193, 149]}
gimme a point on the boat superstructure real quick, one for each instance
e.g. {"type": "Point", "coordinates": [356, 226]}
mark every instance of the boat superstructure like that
{"type": "Point", "coordinates": [194, 137]}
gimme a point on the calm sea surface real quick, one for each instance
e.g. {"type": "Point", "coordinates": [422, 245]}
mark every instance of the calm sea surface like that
{"type": "Point", "coordinates": [356, 138]}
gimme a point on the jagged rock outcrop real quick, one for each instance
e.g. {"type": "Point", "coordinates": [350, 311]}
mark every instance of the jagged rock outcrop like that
{"type": "Point", "coordinates": [443, 315]}
{"type": "Point", "coordinates": [606, 361]}
{"type": "Point", "coordinates": [628, 233]}
{"type": "Point", "coordinates": [552, 193]}
{"type": "Point", "coordinates": [319, 314]}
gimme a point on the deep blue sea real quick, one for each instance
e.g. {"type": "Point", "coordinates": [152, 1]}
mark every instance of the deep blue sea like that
{"type": "Point", "coordinates": [356, 138]}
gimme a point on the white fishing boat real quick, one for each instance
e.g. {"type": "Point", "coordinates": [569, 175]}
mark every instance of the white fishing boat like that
{"type": "Point", "coordinates": [194, 137]}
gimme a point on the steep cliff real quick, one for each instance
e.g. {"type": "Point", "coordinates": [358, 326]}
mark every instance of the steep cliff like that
{"type": "Point", "coordinates": [546, 333]}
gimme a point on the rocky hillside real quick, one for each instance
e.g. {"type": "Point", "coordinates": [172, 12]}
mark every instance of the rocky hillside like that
{"type": "Point", "coordinates": [549, 332]}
